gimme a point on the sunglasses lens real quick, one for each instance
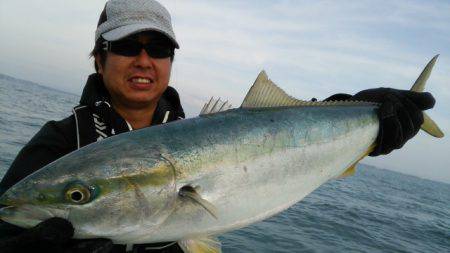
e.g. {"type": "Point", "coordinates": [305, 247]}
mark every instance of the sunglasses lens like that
{"type": "Point", "coordinates": [126, 47]}
{"type": "Point", "coordinates": [158, 51]}
{"type": "Point", "coordinates": [133, 48]}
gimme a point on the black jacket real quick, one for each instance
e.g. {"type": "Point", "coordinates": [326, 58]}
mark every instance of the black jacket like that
{"type": "Point", "coordinates": [94, 119]}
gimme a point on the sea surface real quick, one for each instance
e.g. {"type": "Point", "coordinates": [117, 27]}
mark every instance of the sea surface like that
{"type": "Point", "coordinates": [376, 210]}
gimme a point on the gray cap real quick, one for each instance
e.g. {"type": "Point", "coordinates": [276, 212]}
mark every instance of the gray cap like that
{"type": "Point", "coordinates": [126, 17]}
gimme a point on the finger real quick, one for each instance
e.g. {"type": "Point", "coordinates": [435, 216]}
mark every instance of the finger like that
{"type": "Point", "coordinates": [415, 115]}
{"type": "Point", "coordinates": [338, 97]}
{"type": "Point", "coordinates": [390, 135]}
{"type": "Point", "coordinates": [371, 95]}
{"type": "Point", "coordinates": [409, 115]}
{"type": "Point", "coordinates": [386, 110]}
{"type": "Point", "coordinates": [406, 124]}
{"type": "Point", "coordinates": [423, 100]}
{"type": "Point", "coordinates": [393, 138]}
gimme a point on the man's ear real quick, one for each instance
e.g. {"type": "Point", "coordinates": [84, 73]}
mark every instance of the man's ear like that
{"type": "Point", "coordinates": [99, 64]}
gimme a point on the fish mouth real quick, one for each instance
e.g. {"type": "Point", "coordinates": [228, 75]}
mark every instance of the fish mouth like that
{"type": "Point", "coordinates": [28, 216]}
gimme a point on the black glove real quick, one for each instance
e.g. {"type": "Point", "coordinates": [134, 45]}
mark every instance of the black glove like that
{"type": "Point", "coordinates": [338, 97]}
{"type": "Point", "coordinates": [400, 115]}
{"type": "Point", "coordinates": [52, 235]}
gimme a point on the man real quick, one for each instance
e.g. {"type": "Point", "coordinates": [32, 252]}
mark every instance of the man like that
{"type": "Point", "coordinates": [134, 50]}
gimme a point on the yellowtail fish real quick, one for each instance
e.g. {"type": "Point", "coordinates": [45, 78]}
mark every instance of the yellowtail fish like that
{"type": "Point", "coordinates": [190, 180]}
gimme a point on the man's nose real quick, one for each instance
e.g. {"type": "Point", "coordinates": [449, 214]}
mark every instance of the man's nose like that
{"type": "Point", "coordinates": [143, 60]}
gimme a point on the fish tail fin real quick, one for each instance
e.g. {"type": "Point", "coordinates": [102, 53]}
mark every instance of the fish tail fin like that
{"type": "Point", "coordinates": [428, 125]}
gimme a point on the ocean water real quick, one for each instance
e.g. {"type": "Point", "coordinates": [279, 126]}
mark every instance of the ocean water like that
{"type": "Point", "coordinates": [376, 210]}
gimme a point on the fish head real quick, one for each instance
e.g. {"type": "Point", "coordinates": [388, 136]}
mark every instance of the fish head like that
{"type": "Point", "coordinates": [121, 199]}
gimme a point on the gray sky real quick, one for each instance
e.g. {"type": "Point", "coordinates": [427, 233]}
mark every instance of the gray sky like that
{"type": "Point", "coordinates": [309, 48]}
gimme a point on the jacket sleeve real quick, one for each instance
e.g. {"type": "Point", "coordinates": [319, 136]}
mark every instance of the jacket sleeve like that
{"type": "Point", "coordinates": [55, 139]}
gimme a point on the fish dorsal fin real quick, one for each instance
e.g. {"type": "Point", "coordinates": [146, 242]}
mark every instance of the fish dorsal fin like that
{"type": "Point", "coordinates": [265, 93]}
{"type": "Point", "coordinates": [215, 105]}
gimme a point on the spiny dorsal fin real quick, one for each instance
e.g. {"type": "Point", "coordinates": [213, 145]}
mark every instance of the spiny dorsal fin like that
{"type": "Point", "coordinates": [265, 93]}
{"type": "Point", "coordinates": [215, 105]}
{"type": "Point", "coordinates": [201, 245]}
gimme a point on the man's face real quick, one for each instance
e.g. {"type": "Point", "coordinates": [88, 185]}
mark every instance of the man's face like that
{"type": "Point", "coordinates": [135, 81]}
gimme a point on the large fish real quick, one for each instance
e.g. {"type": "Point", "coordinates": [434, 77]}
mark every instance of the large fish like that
{"type": "Point", "coordinates": [189, 180]}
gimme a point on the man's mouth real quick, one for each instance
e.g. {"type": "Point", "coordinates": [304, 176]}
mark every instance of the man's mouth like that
{"type": "Point", "coordinates": [141, 83]}
{"type": "Point", "coordinates": [141, 80]}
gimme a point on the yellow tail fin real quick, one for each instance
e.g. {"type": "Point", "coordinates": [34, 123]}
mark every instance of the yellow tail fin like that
{"type": "Point", "coordinates": [428, 125]}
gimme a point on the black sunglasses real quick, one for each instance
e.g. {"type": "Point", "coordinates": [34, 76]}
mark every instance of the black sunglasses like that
{"type": "Point", "coordinates": [130, 47]}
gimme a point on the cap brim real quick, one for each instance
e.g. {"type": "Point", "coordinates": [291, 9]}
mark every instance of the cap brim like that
{"type": "Point", "coordinates": [127, 30]}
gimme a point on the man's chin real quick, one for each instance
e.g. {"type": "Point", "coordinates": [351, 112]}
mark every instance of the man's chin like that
{"type": "Point", "coordinates": [141, 101]}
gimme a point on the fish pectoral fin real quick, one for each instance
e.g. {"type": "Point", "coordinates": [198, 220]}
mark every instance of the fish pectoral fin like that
{"type": "Point", "coordinates": [201, 245]}
{"type": "Point", "coordinates": [191, 193]}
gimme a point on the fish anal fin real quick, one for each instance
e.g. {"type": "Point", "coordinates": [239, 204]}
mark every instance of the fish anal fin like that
{"type": "Point", "coordinates": [191, 193]}
{"type": "Point", "coordinates": [201, 245]}
{"type": "Point", "coordinates": [348, 172]}
{"type": "Point", "coordinates": [351, 170]}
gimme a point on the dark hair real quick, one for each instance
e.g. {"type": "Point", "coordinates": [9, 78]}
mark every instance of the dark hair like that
{"type": "Point", "coordinates": [98, 47]}
{"type": "Point", "coordinates": [98, 51]}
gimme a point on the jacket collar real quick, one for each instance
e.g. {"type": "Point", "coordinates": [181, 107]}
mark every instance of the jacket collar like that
{"type": "Point", "coordinates": [94, 91]}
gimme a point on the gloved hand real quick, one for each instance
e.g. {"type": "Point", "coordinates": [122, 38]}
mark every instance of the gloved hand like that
{"type": "Point", "coordinates": [400, 115]}
{"type": "Point", "coordinates": [52, 235]}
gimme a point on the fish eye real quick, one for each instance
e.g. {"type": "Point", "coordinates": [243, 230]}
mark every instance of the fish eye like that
{"type": "Point", "coordinates": [78, 194]}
